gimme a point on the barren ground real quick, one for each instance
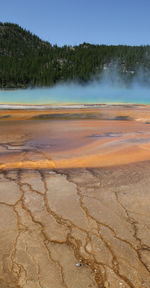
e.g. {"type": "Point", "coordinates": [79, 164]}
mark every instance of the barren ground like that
{"type": "Point", "coordinates": [74, 203]}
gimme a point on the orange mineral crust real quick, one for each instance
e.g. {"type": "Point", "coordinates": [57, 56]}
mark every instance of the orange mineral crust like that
{"type": "Point", "coordinates": [98, 137]}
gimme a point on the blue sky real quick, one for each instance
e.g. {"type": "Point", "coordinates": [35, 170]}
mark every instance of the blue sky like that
{"type": "Point", "coordinates": [76, 21]}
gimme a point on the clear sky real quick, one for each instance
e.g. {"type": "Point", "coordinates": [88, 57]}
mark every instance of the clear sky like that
{"type": "Point", "coordinates": [76, 21]}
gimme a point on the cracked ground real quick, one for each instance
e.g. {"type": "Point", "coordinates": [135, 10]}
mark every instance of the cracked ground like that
{"type": "Point", "coordinates": [74, 226]}
{"type": "Point", "coordinates": [52, 220]}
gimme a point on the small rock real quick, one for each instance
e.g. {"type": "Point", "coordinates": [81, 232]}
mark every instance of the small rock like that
{"type": "Point", "coordinates": [78, 264]}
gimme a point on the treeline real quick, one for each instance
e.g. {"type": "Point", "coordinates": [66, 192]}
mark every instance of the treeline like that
{"type": "Point", "coordinates": [26, 60]}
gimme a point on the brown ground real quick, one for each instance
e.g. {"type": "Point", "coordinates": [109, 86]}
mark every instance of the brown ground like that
{"type": "Point", "coordinates": [86, 200]}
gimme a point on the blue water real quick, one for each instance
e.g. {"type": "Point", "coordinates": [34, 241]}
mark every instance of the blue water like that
{"type": "Point", "coordinates": [75, 93]}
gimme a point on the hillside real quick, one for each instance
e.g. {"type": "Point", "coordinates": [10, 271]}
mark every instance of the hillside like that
{"type": "Point", "coordinates": [26, 60]}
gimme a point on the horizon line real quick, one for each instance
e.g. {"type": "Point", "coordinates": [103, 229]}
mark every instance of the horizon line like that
{"type": "Point", "coordinates": [72, 45]}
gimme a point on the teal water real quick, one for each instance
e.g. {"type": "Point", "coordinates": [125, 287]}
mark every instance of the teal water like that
{"type": "Point", "coordinates": [72, 93]}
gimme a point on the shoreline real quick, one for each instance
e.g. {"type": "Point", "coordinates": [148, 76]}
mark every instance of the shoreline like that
{"type": "Point", "coordinates": [118, 111]}
{"type": "Point", "coordinates": [68, 106]}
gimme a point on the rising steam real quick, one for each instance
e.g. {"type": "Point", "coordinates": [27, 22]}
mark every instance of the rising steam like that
{"type": "Point", "coordinates": [106, 88]}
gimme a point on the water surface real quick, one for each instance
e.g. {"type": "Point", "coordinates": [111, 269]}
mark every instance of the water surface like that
{"type": "Point", "coordinates": [72, 93]}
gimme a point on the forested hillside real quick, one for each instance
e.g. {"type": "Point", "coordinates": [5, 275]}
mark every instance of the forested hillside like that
{"type": "Point", "coordinates": [26, 60]}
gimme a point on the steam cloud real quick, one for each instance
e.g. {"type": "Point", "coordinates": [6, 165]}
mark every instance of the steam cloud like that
{"type": "Point", "coordinates": [109, 88]}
